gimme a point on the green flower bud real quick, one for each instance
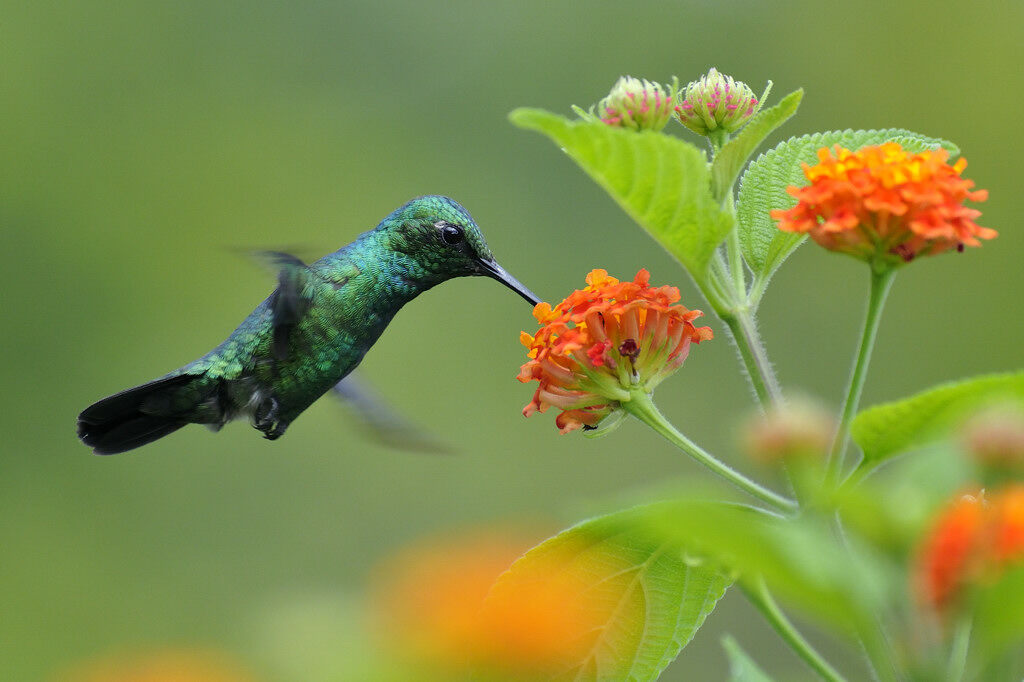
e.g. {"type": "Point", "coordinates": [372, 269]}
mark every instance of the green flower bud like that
{"type": "Point", "coordinates": [637, 104]}
{"type": "Point", "coordinates": [801, 429]}
{"type": "Point", "coordinates": [716, 101]}
{"type": "Point", "coordinates": [994, 438]}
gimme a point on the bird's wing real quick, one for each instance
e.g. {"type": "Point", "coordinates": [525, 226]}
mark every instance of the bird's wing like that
{"type": "Point", "coordinates": [382, 421]}
{"type": "Point", "coordinates": [289, 302]}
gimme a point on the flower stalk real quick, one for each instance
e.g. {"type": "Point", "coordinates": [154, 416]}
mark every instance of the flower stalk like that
{"type": "Point", "coordinates": [643, 408]}
{"type": "Point", "coordinates": [881, 282]}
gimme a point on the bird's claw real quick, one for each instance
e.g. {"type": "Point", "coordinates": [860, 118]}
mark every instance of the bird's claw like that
{"type": "Point", "coordinates": [265, 419]}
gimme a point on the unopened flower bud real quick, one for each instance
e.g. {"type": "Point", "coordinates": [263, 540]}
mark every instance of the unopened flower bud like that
{"type": "Point", "coordinates": [637, 104]}
{"type": "Point", "coordinates": [716, 101]}
{"type": "Point", "coordinates": [801, 430]}
{"type": "Point", "coordinates": [995, 439]}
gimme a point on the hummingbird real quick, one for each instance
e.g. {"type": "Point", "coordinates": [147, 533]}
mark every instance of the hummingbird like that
{"type": "Point", "coordinates": [308, 335]}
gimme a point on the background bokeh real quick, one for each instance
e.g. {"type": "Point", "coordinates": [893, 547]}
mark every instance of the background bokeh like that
{"type": "Point", "coordinates": [148, 146]}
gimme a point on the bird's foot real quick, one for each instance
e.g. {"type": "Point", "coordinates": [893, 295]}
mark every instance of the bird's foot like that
{"type": "Point", "coordinates": [265, 419]}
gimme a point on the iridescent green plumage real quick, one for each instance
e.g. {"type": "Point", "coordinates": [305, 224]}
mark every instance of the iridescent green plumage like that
{"type": "Point", "coordinates": [308, 335]}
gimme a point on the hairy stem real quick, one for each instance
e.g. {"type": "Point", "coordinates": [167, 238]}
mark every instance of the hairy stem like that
{"type": "Point", "coordinates": [643, 408]}
{"type": "Point", "coordinates": [754, 357]}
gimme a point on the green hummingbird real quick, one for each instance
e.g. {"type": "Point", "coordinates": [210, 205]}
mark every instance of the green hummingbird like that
{"type": "Point", "coordinates": [307, 335]}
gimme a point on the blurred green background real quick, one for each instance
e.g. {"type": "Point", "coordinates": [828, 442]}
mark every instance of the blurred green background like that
{"type": "Point", "coordinates": [146, 145]}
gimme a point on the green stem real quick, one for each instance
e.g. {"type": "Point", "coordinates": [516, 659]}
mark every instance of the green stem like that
{"type": "Point", "coordinates": [757, 289]}
{"type": "Point", "coordinates": [881, 281]}
{"type": "Point", "coordinates": [717, 290]}
{"type": "Point", "coordinates": [759, 596]}
{"type": "Point", "coordinates": [732, 249]}
{"type": "Point", "coordinates": [958, 652]}
{"type": "Point", "coordinates": [883, 663]}
{"type": "Point", "coordinates": [643, 408]}
{"type": "Point", "coordinates": [755, 359]}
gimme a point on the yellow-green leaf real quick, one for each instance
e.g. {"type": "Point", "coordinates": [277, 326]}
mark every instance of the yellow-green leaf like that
{"type": "Point", "coordinates": [662, 182]}
{"type": "Point", "coordinates": [614, 601]}
{"type": "Point", "coordinates": [886, 430]}
{"type": "Point", "coordinates": [730, 160]}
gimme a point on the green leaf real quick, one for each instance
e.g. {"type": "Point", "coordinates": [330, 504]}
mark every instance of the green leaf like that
{"type": "Point", "coordinates": [741, 666]}
{"type": "Point", "coordinates": [800, 559]}
{"type": "Point", "coordinates": [642, 599]}
{"type": "Point", "coordinates": [763, 188]}
{"type": "Point", "coordinates": [662, 182]}
{"type": "Point", "coordinates": [886, 430]}
{"type": "Point", "coordinates": [730, 160]}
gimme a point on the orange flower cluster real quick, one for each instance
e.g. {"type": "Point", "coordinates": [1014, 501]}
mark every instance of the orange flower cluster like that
{"type": "Point", "coordinates": [886, 203]}
{"type": "Point", "coordinates": [604, 341]}
{"type": "Point", "coordinates": [976, 538]}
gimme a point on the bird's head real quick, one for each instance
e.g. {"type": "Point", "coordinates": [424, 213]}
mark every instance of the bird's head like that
{"type": "Point", "coordinates": [445, 242]}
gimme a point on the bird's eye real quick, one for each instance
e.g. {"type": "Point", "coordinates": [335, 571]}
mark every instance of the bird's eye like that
{"type": "Point", "coordinates": [451, 234]}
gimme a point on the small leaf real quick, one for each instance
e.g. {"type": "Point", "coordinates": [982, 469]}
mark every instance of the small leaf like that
{"type": "Point", "coordinates": [730, 160]}
{"type": "Point", "coordinates": [763, 188]}
{"type": "Point", "coordinates": [741, 666]}
{"type": "Point", "coordinates": [662, 182]}
{"type": "Point", "coordinates": [886, 430]}
{"type": "Point", "coordinates": [613, 601]}
{"type": "Point", "coordinates": [891, 509]}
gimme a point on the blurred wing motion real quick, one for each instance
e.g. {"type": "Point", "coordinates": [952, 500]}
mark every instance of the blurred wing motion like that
{"type": "Point", "coordinates": [288, 304]}
{"type": "Point", "coordinates": [382, 421]}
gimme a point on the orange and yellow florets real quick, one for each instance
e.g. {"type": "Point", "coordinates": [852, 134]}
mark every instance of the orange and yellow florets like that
{"type": "Point", "coordinates": [976, 538]}
{"type": "Point", "coordinates": [885, 203]}
{"type": "Point", "coordinates": [604, 341]}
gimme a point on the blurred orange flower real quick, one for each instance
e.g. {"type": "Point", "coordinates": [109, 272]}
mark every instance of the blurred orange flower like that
{"type": "Point", "coordinates": [604, 341]}
{"type": "Point", "coordinates": [164, 666]}
{"type": "Point", "coordinates": [884, 203]}
{"type": "Point", "coordinates": [974, 539]}
{"type": "Point", "coordinates": [427, 598]}
{"type": "Point", "coordinates": [438, 604]}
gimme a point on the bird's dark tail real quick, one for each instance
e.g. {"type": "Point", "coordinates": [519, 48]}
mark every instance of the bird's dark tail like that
{"type": "Point", "coordinates": [134, 417]}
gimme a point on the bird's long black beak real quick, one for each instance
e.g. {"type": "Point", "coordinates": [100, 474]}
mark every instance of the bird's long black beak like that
{"type": "Point", "coordinates": [495, 271]}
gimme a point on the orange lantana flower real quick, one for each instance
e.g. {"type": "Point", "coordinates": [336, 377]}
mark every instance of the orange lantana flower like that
{"type": "Point", "coordinates": [976, 538]}
{"type": "Point", "coordinates": [885, 203]}
{"type": "Point", "coordinates": [604, 341]}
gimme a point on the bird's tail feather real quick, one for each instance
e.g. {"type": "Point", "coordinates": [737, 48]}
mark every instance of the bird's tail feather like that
{"type": "Point", "coordinates": [134, 417]}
